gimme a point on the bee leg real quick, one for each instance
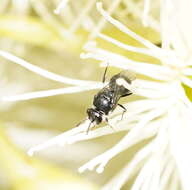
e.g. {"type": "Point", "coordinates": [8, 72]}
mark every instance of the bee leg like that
{"type": "Point", "coordinates": [104, 75]}
{"type": "Point", "coordinates": [107, 121]}
{"type": "Point", "coordinates": [88, 128]}
{"type": "Point", "coordinates": [127, 94]}
{"type": "Point", "coordinates": [124, 110]}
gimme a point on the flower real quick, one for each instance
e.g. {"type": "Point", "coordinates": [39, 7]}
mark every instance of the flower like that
{"type": "Point", "coordinates": [162, 114]}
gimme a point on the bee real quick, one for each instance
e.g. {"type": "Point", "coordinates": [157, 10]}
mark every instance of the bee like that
{"type": "Point", "coordinates": [106, 100]}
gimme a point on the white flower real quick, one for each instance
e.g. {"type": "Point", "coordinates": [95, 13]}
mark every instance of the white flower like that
{"type": "Point", "coordinates": [163, 114]}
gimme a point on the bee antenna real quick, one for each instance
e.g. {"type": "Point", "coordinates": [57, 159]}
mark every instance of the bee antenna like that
{"type": "Point", "coordinates": [81, 122]}
{"type": "Point", "coordinates": [104, 75]}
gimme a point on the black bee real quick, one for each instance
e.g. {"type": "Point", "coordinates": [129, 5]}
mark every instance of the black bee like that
{"type": "Point", "coordinates": [106, 100]}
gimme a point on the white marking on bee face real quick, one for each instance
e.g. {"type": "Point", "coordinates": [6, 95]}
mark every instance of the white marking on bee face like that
{"type": "Point", "coordinates": [123, 82]}
{"type": "Point", "coordinates": [105, 102]}
{"type": "Point", "coordinates": [97, 114]}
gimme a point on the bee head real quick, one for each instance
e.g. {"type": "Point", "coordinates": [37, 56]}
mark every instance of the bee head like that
{"type": "Point", "coordinates": [94, 115]}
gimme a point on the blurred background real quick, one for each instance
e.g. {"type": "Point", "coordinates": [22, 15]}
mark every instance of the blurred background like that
{"type": "Point", "coordinates": [51, 34]}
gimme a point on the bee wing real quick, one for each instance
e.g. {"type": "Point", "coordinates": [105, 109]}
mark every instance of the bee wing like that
{"type": "Point", "coordinates": [127, 75]}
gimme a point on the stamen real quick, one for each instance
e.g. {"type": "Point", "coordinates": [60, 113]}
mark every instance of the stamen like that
{"type": "Point", "coordinates": [132, 48]}
{"type": "Point", "coordinates": [84, 13]}
{"type": "Point", "coordinates": [100, 25]}
{"type": "Point", "coordinates": [124, 29]}
{"type": "Point", "coordinates": [186, 81]}
{"type": "Point", "coordinates": [52, 92]}
{"type": "Point", "coordinates": [146, 12]}
{"type": "Point", "coordinates": [42, 72]}
{"type": "Point", "coordinates": [129, 140]}
{"type": "Point", "coordinates": [61, 6]}
{"type": "Point", "coordinates": [155, 71]}
{"type": "Point", "coordinates": [130, 169]}
{"type": "Point", "coordinates": [60, 139]}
